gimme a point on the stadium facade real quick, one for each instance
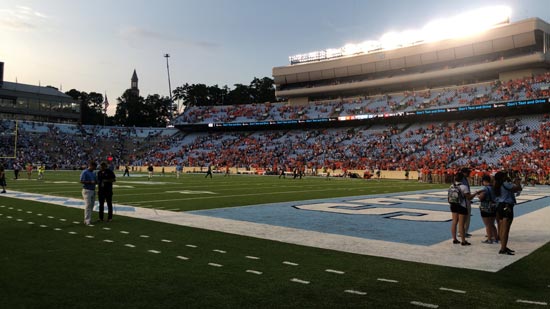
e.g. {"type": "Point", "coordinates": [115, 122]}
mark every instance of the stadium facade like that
{"type": "Point", "coordinates": [509, 51]}
{"type": "Point", "coordinates": [36, 103]}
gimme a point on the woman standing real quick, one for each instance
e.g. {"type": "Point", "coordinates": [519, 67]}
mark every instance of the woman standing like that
{"type": "Point", "coordinates": [459, 210]}
{"type": "Point", "coordinates": [487, 209]}
{"type": "Point", "coordinates": [505, 193]}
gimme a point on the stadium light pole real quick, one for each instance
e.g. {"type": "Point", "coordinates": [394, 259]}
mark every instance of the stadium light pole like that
{"type": "Point", "coordinates": [169, 85]}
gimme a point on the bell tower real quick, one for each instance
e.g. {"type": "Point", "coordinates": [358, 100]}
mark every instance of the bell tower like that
{"type": "Point", "coordinates": [134, 85]}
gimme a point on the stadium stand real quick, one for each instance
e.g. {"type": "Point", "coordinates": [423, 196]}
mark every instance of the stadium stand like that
{"type": "Point", "coordinates": [467, 95]}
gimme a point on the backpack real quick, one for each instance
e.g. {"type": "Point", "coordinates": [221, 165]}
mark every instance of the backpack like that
{"type": "Point", "coordinates": [488, 204]}
{"type": "Point", "coordinates": [455, 195]}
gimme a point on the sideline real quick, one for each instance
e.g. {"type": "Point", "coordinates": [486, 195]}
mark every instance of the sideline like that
{"type": "Point", "coordinates": [530, 232]}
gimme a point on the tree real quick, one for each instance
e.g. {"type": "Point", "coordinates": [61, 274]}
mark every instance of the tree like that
{"type": "Point", "coordinates": [91, 106]}
{"type": "Point", "coordinates": [259, 91]}
{"type": "Point", "coordinates": [240, 95]}
{"type": "Point", "coordinates": [134, 110]}
{"type": "Point", "coordinates": [159, 110]}
{"type": "Point", "coordinates": [181, 93]}
{"type": "Point", "coordinates": [217, 95]}
{"type": "Point", "coordinates": [129, 109]}
{"type": "Point", "coordinates": [263, 90]}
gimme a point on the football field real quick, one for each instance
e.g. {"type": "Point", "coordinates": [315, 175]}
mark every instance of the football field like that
{"type": "Point", "coordinates": [260, 241]}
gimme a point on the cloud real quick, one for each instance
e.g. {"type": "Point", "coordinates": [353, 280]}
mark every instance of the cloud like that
{"type": "Point", "coordinates": [21, 18]}
{"type": "Point", "coordinates": [135, 35]}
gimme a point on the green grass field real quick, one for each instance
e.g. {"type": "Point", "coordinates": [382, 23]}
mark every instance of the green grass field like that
{"type": "Point", "coordinates": [49, 259]}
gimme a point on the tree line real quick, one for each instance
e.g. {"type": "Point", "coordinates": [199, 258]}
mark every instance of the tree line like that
{"type": "Point", "coordinates": [157, 111]}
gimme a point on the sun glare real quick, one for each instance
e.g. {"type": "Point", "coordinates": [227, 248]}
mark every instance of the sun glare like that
{"type": "Point", "coordinates": [459, 26]}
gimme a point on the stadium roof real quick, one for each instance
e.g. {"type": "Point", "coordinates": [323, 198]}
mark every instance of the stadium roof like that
{"type": "Point", "coordinates": [48, 90]}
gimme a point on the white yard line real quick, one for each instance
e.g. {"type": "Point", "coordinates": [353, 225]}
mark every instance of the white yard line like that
{"type": "Point", "coordinates": [532, 302]}
{"type": "Point", "coordinates": [355, 292]}
{"type": "Point", "coordinates": [255, 272]}
{"type": "Point", "coordinates": [452, 290]}
{"type": "Point", "coordinates": [387, 280]}
{"type": "Point", "coordinates": [299, 281]}
{"type": "Point", "coordinates": [425, 305]}
{"type": "Point", "coordinates": [338, 272]}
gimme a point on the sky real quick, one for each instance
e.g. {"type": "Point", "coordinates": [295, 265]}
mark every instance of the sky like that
{"type": "Point", "coordinates": [94, 46]}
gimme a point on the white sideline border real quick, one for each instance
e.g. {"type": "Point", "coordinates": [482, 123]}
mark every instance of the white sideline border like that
{"type": "Point", "coordinates": [529, 232]}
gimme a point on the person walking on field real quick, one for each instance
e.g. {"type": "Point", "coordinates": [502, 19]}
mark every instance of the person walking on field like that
{"type": "Point", "coordinates": [209, 171]}
{"type": "Point", "coordinates": [179, 169]}
{"type": "Point", "coordinates": [88, 179]}
{"type": "Point", "coordinates": [41, 170]}
{"type": "Point", "coordinates": [3, 178]}
{"type": "Point", "coordinates": [16, 170]}
{"type": "Point", "coordinates": [150, 171]}
{"type": "Point", "coordinates": [29, 170]}
{"type": "Point", "coordinates": [105, 179]}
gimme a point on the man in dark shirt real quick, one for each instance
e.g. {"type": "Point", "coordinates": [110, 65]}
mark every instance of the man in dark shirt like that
{"type": "Point", "coordinates": [209, 171]}
{"type": "Point", "coordinates": [105, 179]}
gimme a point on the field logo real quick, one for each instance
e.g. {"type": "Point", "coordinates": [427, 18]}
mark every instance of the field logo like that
{"type": "Point", "coordinates": [376, 207]}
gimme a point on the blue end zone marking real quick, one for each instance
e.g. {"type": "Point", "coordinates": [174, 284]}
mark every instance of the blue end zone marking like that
{"type": "Point", "coordinates": [124, 208]}
{"type": "Point", "coordinates": [26, 195]}
{"type": "Point", "coordinates": [73, 203]}
{"type": "Point", "coordinates": [116, 208]}
{"type": "Point", "coordinates": [402, 213]}
{"type": "Point", "coordinates": [387, 226]}
{"type": "Point", "coordinates": [51, 199]}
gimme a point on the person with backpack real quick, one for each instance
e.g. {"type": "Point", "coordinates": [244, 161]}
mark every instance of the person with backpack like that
{"type": "Point", "coordinates": [457, 195]}
{"type": "Point", "coordinates": [487, 209]}
{"type": "Point", "coordinates": [506, 191]}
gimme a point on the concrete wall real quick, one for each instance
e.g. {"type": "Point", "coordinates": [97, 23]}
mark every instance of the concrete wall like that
{"type": "Point", "coordinates": [413, 175]}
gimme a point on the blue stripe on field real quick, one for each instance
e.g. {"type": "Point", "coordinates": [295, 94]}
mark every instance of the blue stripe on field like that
{"type": "Point", "coordinates": [378, 227]}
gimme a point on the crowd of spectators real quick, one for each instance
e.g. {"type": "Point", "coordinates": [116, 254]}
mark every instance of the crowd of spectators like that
{"type": "Point", "coordinates": [430, 148]}
{"type": "Point", "coordinates": [439, 147]}
{"type": "Point", "coordinates": [490, 144]}
{"type": "Point", "coordinates": [64, 146]}
{"type": "Point", "coordinates": [467, 95]}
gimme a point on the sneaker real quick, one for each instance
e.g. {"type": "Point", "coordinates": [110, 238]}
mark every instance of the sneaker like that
{"type": "Point", "coordinates": [505, 252]}
{"type": "Point", "coordinates": [486, 241]}
{"type": "Point", "coordinates": [3, 191]}
{"type": "Point", "coordinates": [468, 235]}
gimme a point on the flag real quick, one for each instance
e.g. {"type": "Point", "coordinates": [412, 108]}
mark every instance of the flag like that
{"type": "Point", "coordinates": [106, 102]}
